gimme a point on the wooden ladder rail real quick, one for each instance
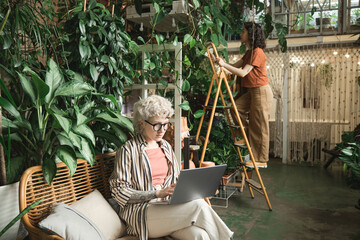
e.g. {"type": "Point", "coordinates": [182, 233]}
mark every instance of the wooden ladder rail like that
{"type": "Point", "coordinates": [219, 80]}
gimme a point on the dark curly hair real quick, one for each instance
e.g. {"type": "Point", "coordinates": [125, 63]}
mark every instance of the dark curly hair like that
{"type": "Point", "coordinates": [259, 36]}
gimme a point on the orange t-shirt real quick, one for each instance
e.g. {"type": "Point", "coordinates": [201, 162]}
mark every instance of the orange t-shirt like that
{"type": "Point", "coordinates": [257, 76]}
{"type": "Point", "coordinates": [158, 164]}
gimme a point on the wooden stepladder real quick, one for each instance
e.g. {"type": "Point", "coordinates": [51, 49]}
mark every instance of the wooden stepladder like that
{"type": "Point", "coordinates": [222, 79]}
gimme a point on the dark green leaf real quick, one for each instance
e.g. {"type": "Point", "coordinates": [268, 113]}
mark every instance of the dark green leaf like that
{"type": "Point", "coordinates": [67, 155]}
{"type": "Point", "coordinates": [42, 89]}
{"type": "Point", "coordinates": [49, 169]}
{"type": "Point", "coordinates": [186, 86]}
{"type": "Point", "coordinates": [199, 113]}
{"type": "Point", "coordinates": [109, 137]}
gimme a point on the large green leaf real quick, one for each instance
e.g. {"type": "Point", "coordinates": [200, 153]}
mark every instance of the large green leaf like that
{"type": "Point", "coordinates": [28, 87]}
{"type": "Point", "coordinates": [64, 139]}
{"type": "Point", "coordinates": [64, 122]}
{"type": "Point", "coordinates": [74, 88]}
{"type": "Point", "coordinates": [111, 98]}
{"type": "Point", "coordinates": [6, 91]}
{"type": "Point", "coordinates": [109, 137]}
{"type": "Point", "coordinates": [5, 104]}
{"type": "Point", "coordinates": [85, 131]}
{"type": "Point", "coordinates": [75, 139]}
{"type": "Point", "coordinates": [87, 150]}
{"type": "Point", "coordinates": [42, 89]}
{"type": "Point", "coordinates": [119, 133]}
{"type": "Point", "coordinates": [49, 169]}
{"type": "Point", "coordinates": [120, 120]}
{"type": "Point", "coordinates": [67, 155]}
{"type": "Point", "coordinates": [53, 79]}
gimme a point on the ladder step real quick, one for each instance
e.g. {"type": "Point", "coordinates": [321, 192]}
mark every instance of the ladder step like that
{"type": "Point", "coordinates": [253, 183]}
{"type": "Point", "coordinates": [235, 126]}
{"type": "Point", "coordinates": [242, 145]}
{"type": "Point", "coordinates": [194, 147]}
{"type": "Point", "coordinates": [218, 107]}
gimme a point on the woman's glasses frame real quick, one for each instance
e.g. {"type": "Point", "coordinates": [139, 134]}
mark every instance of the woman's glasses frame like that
{"type": "Point", "coordinates": [158, 126]}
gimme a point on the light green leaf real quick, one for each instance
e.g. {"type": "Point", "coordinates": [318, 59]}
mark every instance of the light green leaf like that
{"type": "Point", "coordinates": [64, 122]}
{"type": "Point", "coordinates": [93, 72]}
{"type": "Point", "coordinates": [215, 39]}
{"type": "Point", "coordinates": [187, 38]}
{"type": "Point", "coordinates": [87, 150]}
{"type": "Point", "coordinates": [28, 87]}
{"type": "Point", "coordinates": [185, 106]}
{"type": "Point", "coordinates": [196, 4]}
{"type": "Point", "coordinates": [176, 41]}
{"type": "Point", "coordinates": [67, 155]}
{"type": "Point", "coordinates": [85, 131]}
{"type": "Point", "coordinates": [75, 139]}
{"type": "Point", "coordinates": [74, 88]}
{"type": "Point", "coordinates": [53, 78]}
{"type": "Point", "coordinates": [10, 108]}
{"type": "Point", "coordinates": [192, 43]}
{"type": "Point", "coordinates": [186, 61]}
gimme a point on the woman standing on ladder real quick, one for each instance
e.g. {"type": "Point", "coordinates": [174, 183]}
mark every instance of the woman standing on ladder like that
{"type": "Point", "coordinates": [256, 101]}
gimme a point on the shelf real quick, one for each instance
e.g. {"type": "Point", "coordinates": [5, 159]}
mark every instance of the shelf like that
{"type": "Point", "coordinates": [150, 86]}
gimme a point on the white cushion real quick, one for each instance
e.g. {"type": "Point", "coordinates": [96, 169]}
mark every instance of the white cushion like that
{"type": "Point", "coordinates": [70, 224]}
{"type": "Point", "coordinates": [95, 207]}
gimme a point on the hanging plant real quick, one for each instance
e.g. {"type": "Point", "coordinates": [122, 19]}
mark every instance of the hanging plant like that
{"type": "Point", "coordinates": [324, 73]}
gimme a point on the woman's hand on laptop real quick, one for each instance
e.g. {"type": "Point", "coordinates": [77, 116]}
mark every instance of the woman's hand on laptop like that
{"type": "Point", "coordinates": [168, 191]}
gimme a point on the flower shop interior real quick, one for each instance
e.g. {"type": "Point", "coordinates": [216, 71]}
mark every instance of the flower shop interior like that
{"type": "Point", "coordinates": [71, 71]}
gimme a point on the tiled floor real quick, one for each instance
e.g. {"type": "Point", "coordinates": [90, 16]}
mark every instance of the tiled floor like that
{"type": "Point", "coordinates": [308, 203]}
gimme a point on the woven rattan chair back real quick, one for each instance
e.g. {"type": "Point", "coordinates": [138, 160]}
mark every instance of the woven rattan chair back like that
{"type": "Point", "coordinates": [63, 189]}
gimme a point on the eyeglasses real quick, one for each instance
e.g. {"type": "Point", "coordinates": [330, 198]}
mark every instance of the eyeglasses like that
{"type": "Point", "coordinates": [158, 126]}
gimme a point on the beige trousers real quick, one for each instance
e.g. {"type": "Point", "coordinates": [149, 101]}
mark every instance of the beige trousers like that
{"type": "Point", "coordinates": [194, 220]}
{"type": "Point", "coordinates": [254, 110]}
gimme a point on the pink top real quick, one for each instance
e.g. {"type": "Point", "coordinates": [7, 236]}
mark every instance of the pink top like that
{"type": "Point", "coordinates": [159, 165]}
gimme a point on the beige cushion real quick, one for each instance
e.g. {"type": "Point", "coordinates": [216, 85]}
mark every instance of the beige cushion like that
{"type": "Point", "coordinates": [95, 207]}
{"type": "Point", "coordinates": [70, 224]}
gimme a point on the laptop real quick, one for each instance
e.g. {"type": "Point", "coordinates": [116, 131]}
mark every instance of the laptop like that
{"type": "Point", "coordinates": [195, 183]}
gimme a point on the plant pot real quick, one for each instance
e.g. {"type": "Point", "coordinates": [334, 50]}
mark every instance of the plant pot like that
{"type": "Point", "coordinates": [325, 21]}
{"type": "Point", "coordinates": [9, 209]}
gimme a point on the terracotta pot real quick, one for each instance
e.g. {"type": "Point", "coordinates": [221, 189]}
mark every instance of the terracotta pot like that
{"type": "Point", "coordinates": [207, 164]}
{"type": "Point", "coordinates": [191, 164]}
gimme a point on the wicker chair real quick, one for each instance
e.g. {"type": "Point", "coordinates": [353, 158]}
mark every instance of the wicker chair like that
{"type": "Point", "coordinates": [62, 189]}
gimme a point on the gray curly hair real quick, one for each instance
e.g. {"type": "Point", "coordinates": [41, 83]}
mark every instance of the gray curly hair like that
{"type": "Point", "coordinates": [152, 106]}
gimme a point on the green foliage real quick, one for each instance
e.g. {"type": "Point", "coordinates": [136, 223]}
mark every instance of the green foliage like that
{"type": "Point", "coordinates": [100, 49]}
{"type": "Point", "coordinates": [350, 155]}
{"type": "Point", "coordinates": [56, 124]}
{"type": "Point", "coordinates": [221, 148]}
{"type": "Point", "coordinates": [19, 216]}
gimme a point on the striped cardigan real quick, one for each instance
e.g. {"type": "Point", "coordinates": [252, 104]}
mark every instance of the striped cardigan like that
{"type": "Point", "coordinates": [132, 171]}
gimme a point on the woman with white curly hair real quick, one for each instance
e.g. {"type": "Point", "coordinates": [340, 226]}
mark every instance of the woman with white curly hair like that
{"type": "Point", "coordinates": [146, 169]}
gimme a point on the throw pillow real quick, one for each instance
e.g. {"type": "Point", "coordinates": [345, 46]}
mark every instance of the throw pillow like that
{"type": "Point", "coordinates": [70, 224]}
{"type": "Point", "coordinates": [95, 207]}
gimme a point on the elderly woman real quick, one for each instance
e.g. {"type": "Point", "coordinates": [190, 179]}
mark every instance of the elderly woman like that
{"type": "Point", "coordinates": [146, 169]}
